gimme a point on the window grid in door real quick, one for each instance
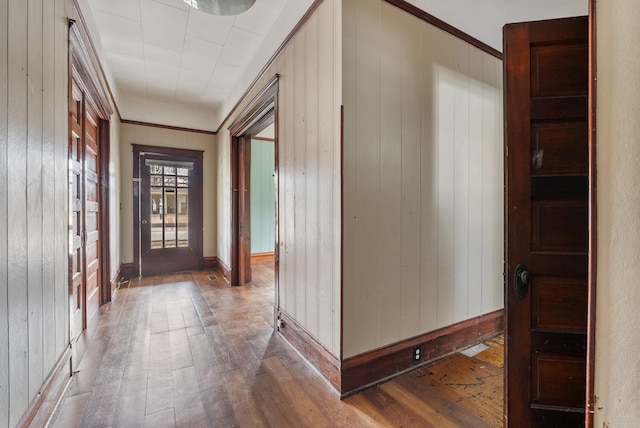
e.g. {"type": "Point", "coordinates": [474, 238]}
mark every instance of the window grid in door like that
{"type": "Point", "coordinates": [169, 206]}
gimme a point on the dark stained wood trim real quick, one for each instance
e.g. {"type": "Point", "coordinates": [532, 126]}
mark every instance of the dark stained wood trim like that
{"type": "Point", "coordinates": [97, 65]}
{"type": "Point", "coordinates": [273, 58]}
{"type": "Point", "coordinates": [233, 275]}
{"type": "Point", "coordinates": [436, 22]}
{"type": "Point", "coordinates": [44, 404]}
{"type": "Point", "coordinates": [319, 357]}
{"type": "Point", "coordinates": [268, 257]}
{"type": "Point", "coordinates": [263, 139]}
{"type": "Point", "coordinates": [223, 268]}
{"type": "Point", "coordinates": [243, 267]}
{"type": "Point", "coordinates": [105, 221]}
{"type": "Point", "coordinates": [261, 112]}
{"type": "Point", "coordinates": [593, 222]}
{"type": "Point", "coordinates": [255, 109]}
{"type": "Point", "coordinates": [341, 231]}
{"type": "Point", "coordinates": [174, 128]}
{"type": "Point", "coordinates": [210, 263]}
{"type": "Point", "coordinates": [83, 66]}
{"type": "Point", "coordinates": [372, 367]}
{"type": "Point", "coordinates": [276, 245]}
{"type": "Point", "coordinates": [127, 271]}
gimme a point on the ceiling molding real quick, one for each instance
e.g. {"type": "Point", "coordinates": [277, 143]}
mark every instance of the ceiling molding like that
{"type": "Point", "coordinates": [173, 128]}
{"type": "Point", "coordinates": [438, 23]}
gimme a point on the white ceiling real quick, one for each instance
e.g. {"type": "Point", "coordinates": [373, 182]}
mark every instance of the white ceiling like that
{"type": "Point", "coordinates": [172, 65]}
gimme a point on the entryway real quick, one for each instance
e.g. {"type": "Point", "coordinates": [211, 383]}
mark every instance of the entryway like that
{"type": "Point", "coordinates": [167, 210]}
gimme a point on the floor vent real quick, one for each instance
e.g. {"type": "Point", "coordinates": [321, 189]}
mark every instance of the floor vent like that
{"type": "Point", "coordinates": [212, 277]}
{"type": "Point", "coordinates": [475, 350]}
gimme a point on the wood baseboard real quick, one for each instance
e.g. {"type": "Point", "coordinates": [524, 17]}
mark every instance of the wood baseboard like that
{"type": "Point", "coordinates": [364, 370]}
{"type": "Point", "coordinates": [309, 348]}
{"type": "Point", "coordinates": [126, 270]}
{"type": "Point", "coordinates": [44, 404]}
{"type": "Point", "coordinates": [210, 263]}
{"type": "Point", "coordinates": [223, 268]}
{"type": "Point", "coordinates": [257, 258]}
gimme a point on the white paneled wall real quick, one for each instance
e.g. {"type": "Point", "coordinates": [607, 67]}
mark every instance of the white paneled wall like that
{"type": "Point", "coordinates": [309, 175]}
{"type": "Point", "coordinates": [114, 195]}
{"type": "Point", "coordinates": [154, 136]}
{"type": "Point", "coordinates": [423, 223]}
{"type": "Point", "coordinates": [617, 367]}
{"type": "Point", "coordinates": [34, 309]}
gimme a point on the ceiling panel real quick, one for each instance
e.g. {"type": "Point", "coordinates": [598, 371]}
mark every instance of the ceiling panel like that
{"type": "Point", "coordinates": [259, 18]}
{"type": "Point", "coordinates": [200, 55]}
{"type": "Point", "coordinates": [239, 47]}
{"type": "Point", "coordinates": [174, 65]}
{"type": "Point", "coordinates": [121, 35]}
{"type": "Point", "coordinates": [207, 27]}
{"type": "Point", "coordinates": [163, 25]}
{"type": "Point", "coordinates": [129, 9]}
{"type": "Point", "coordinates": [225, 76]}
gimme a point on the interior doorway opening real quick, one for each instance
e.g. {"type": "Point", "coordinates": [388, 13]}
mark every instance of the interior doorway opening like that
{"type": "Point", "coordinates": [259, 119]}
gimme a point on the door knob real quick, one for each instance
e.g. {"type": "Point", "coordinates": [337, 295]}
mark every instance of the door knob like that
{"type": "Point", "coordinates": [521, 279]}
{"type": "Point", "coordinates": [144, 221]}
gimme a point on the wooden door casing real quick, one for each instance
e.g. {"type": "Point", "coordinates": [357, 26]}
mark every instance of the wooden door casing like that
{"type": "Point", "coordinates": [85, 252]}
{"type": "Point", "coordinates": [547, 202]}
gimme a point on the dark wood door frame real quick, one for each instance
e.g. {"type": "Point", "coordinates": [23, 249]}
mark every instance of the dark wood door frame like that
{"type": "Point", "coordinates": [261, 112]}
{"type": "Point", "coordinates": [592, 222]}
{"type": "Point", "coordinates": [193, 155]}
{"type": "Point", "coordinates": [83, 70]}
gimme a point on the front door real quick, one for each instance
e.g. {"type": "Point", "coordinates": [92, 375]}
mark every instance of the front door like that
{"type": "Point", "coordinates": [546, 132]}
{"type": "Point", "coordinates": [170, 210]}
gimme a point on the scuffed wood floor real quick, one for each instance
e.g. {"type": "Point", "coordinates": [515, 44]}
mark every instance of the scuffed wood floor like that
{"type": "Point", "coordinates": [185, 350]}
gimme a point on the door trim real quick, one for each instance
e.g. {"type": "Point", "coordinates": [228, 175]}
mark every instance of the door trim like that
{"type": "Point", "coordinates": [261, 111]}
{"type": "Point", "coordinates": [593, 220]}
{"type": "Point", "coordinates": [83, 69]}
{"type": "Point", "coordinates": [197, 155]}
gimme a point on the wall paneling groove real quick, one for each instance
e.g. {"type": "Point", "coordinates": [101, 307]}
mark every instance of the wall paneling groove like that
{"type": "Point", "coordinates": [422, 177]}
{"type": "Point", "coordinates": [34, 326]}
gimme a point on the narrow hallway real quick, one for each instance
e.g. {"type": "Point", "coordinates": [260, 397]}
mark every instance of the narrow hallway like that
{"type": "Point", "coordinates": [188, 351]}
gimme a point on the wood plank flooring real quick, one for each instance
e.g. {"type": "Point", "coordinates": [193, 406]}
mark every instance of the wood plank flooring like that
{"type": "Point", "coordinates": [185, 350]}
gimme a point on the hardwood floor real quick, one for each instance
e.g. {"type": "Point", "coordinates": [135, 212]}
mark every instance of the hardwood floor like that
{"type": "Point", "coordinates": [188, 351]}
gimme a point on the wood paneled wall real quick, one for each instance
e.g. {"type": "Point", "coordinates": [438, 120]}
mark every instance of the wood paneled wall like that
{"type": "Point", "coordinates": [155, 136]}
{"type": "Point", "coordinates": [262, 197]}
{"type": "Point", "coordinates": [423, 216]}
{"type": "Point", "coordinates": [114, 195]}
{"type": "Point", "coordinates": [34, 310]}
{"type": "Point", "coordinates": [309, 175]}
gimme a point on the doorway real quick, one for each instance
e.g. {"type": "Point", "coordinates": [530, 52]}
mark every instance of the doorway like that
{"type": "Point", "coordinates": [168, 209]}
{"type": "Point", "coordinates": [88, 162]}
{"type": "Point", "coordinates": [258, 116]}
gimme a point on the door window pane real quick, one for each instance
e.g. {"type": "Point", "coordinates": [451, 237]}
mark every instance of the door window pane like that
{"type": "Point", "coordinates": [183, 217]}
{"type": "Point", "coordinates": [169, 206]}
{"type": "Point", "coordinates": [157, 203]}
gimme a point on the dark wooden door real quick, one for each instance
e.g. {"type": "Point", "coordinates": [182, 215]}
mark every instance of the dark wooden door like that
{"type": "Point", "coordinates": [85, 275]}
{"type": "Point", "coordinates": [76, 212]}
{"type": "Point", "coordinates": [170, 212]}
{"type": "Point", "coordinates": [92, 205]}
{"type": "Point", "coordinates": [546, 132]}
